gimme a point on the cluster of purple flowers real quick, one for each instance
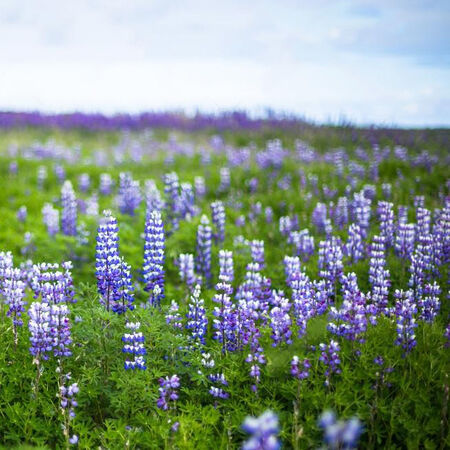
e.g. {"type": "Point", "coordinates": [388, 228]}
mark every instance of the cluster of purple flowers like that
{"type": "Point", "coordinates": [168, 392]}
{"type": "Point", "coordinates": [134, 346]}
{"type": "Point", "coordinates": [405, 311]}
{"type": "Point", "coordinates": [339, 434]}
{"type": "Point", "coordinates": [263, 432]}
{"type": "Point", "coordinates": [129, 197]}
{"type": "Point", "coordinates": [50, 217]}
{"type": "Point", "coordinates": [69, 209]}
{"type": "Point", "coordinates": [68, 403]}
{"type": "Point", "coordinates": [197, 321]}
{"type": "Point", "coordinates": [153, 269]}
{"type": "Point", "coordinates": [203, 257]}
{"type": "Point", "coordinates": [329, 356]}
{"type": "Point", "coordinates": [297, 371]}
{"type": "Point", "coordinates": [379, 276]}
{"type": "Point", "coordinates": [113, 274]}
{"type": "Point", "coordinates": [330, 262]}
{"type": "Point", "coordinates": [218, 220]}
{"type": "Point", "coordinates": [218, 391]}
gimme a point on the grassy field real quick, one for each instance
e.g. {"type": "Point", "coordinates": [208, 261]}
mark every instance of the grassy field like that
{"type": "Point", "coordinates": [401, 403]}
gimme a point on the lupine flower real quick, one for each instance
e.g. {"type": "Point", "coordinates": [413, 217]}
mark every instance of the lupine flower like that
{"type": "Point", "coordinates": [129, 197]}
{"type": "Point", "coordinates": [296, 371]}
{"type": "Point", "coordinates": [60, 173]}
{"type": "Point", "coordinates": [319, 217]}
{"type": "Point", "coordinates": [39, 326]}
{"type": "Point", "coordinates": [22, 214]}
{"type": "Point", "coordinates": [92, 205]}
{"type": "Point", "coordinates": [113, 274]}
{"type": "Point", "coordinates": [168, 392]}
{"type": "Point", "coordinates": [350, 319]}
{"type": "Point", "coordinates": [304, 243]}
{"type": "Point", "coordinates": [340, 215]}
{"type": "Point", "coordinates": [330, 262]}
{"type": "Point", "coordinates": [50, 217]}
{"type": "Point", "coordinates": [199, 186]}
{"type": "Point", "coordinates": [173, 317]}
{"type": "Point", "coordinates": [379, 276]}
{"type": "Point", "coordinates": [263, 432]}
{"type": "Point", "coordinates": [354, 247]}
{"type": "Point", "coordinates": [226, 271]}
{"type": "Point", "coordinates": [153, 269]}
{"type": "Point", "coordinates": [69, 211]}
{"type": "Point", "coordinates": [172, 191]}
{"type": "Point", "coordinates": [257, 252]}
{"type": "Point", "coordinates": [197, 321]}
{"type": "Point", "coordinates": [224, 323]}
{"type": "Point", "coordinates": [361, 208]}
{"type": "Point", "coordinates": [280, 320]}
{"type": "Point", "coordinates": [84, 182]}
{"type": "Point", "coordinates": [186, 269]}
{"type": "Point", "coordinates": [68, 403]}
{"type": "Point", "coordinates": [268, 213]}
{"type": "Point", "coordinates": [225, 179]}
{"type": "Point", "coordinates": [153, 199]}
{"type": "Point", "coordinates": [405, 310]}
{"type": "Point", "coordinates": [386, 189]}
{"type": "Point", "coordinates": [203, 257]}
{"type": "Point", "coordinates": [404, 240]}
{"type": "Point", "coordinates": [340, 434]}
{"type": "Point", "coordinates": [106, 184]}
{"type": "Point", "coordinates": [60, 330]}
{"type": "Point", "coordinates": [218, 220]}
{"type": "Point", "coordinates": [53, 282]}
{"type": "Point", "coordinates": [386, 218]}
{"type": "Point", "coordinates": [13, 290]}
{"type": "Point", "coordinates": [134, 347]}
{"type": "Point", "coordinates": [218, 392]}
{"type": "Point", "coordinates": [329, 356]}
{"type": "Point", "coordinates": [187, 206]}
{"type": "Point", "coordinates": [429, 304]}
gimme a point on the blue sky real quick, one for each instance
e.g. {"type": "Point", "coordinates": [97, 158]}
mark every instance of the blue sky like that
{"type": "Point", "coordinates": [385, 62]}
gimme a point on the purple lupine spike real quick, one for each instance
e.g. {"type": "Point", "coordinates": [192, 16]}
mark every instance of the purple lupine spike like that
{"type": "Point", "coordinates": [53, 282]}
{"type": "Point", "coordinates": [404, 240]}
{"type": "Point", "coordinates": [292, 267]}
{"type": "Point", "coordinates": [226, 270]}
{"type": "Point", "coordinates": [405, 310]}
{"type": "Point", "coordinates": [340, 434]}
{"type": "Point", "coordinates": [172, 192]}
{"type": "Point", "coordinates": [257, 253]}
{"type": "Point", "coordinates": [134, 347]}
{"type": "Point", "coordinates": [361, 207]}
{"type": "Point", "coordinates": [423, 219]}
{"type": "Point", "coordinates": [218, 220]}
{"type": "Point", "coordinates": [354, 247]}
{"type": "Point", "coordinates": [153, 268]}
{"type": "Point", "coordinates": [68, 403]}
{"type": "Point", "coordinates": [280, 320]}
{"type": "Point", "coordinates": [340, 215]}
{"type": "Point", "coordinates": [386, 189]}
{"type": "Point", "coordinates": [186, 200]}
{"type": "Point", "coordinates": [168, 392]}
{"type": "Point", "coordinates": [203, 257]}
{"type": "Point", "coordinates": [22, 214]}
{"type": "Point", "coordinates": [197, 321]}
{"type": "Point", "coordinates": [422, 264]}
{"type": "Point", "coordinates": [268, 214]}
{"type": "Point", "coordinates": [84, 182]}
{"type": "Point", "coordinates": [319, 217]}
{"type": "Point", "coordinates": [304, 243]}
{"type": "Point", "coordinates": [39, 326]}
{"type": "Point", "coordinates": [41, 176]}
{"type": "Point", "coordinates": [13, 290]}
{"type": "Point", "coordinates": [129, 197]}
{"type": "Point", "coordinates": [330, 262]}
{"type": "Point", "coordinates": [69, 209]}
{"type": "Point", "coordinates": [286, 225]}
{"type": "Point", "coordinates": [173, 316]}
{"type": "Point", "coordinates": [329, 356]}
{"type": "Point", "coordinates": [379, 276]}
{"type": "Point", "coordinates": [303, 300]}
{"type": "Point", "coordinates": [296, 371]}
{"type": "Point", "coordinates": [385, 212]}
{"type": "Point", "coordinates": [112, 273]}
{"type": "Point", "coordinates": [153, 199]}
{"type": "Point", "coordinates": [199, 186]}
{"type": "Point", "coordinates": [186, 269]}
{"type": "Point", "coordinates": [263, 432]}
{"type": "Point", "coordinates": [50, 217]}
{"type": "Point", "coordinates": [60, 330]}
{"type": "Point", "coordinates": [350, 319]}
{"type": "Point", "coordinates": [106, 184]}
{"type": "Point", "coordinates": [60, 173]}
{"type": "Point", "coordinates": [218, 392]}
{"type": "Point", "coordinates": [429, 303]}
{"type": "Point", "coordinates": [225, 180]}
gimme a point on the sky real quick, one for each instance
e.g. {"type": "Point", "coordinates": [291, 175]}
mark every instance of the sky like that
{"type": "Point", "coordinates": [385, 62]}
